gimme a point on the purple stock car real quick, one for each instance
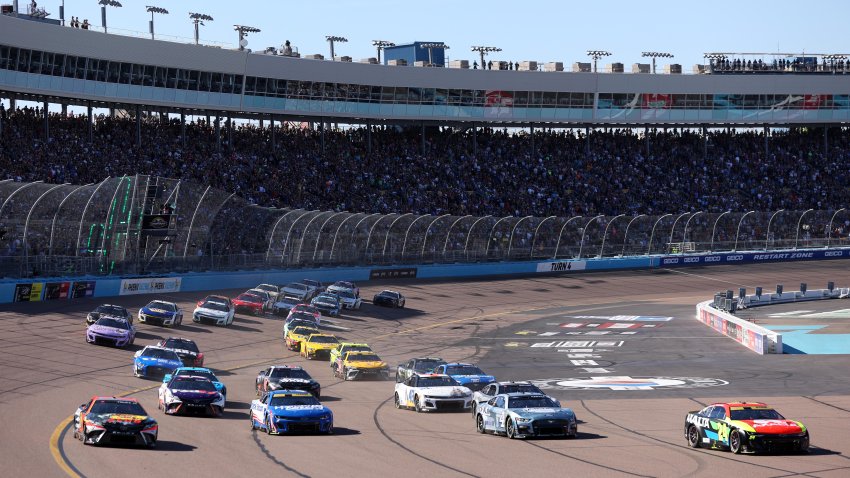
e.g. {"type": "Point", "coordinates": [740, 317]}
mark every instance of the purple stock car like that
{"type": "Point", "coordinates": [111, 331]}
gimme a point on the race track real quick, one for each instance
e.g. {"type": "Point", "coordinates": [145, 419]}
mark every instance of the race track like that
{"type": "Point", "coordinates": [558, 330]}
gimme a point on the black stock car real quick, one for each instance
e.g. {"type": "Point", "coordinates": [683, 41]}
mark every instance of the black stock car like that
{"type": "Point", "coordinates": [108, 310]}
{"type": "Point", "coordinates": [286, 377]}
{"type": "Point", "coordinates": [389, 298]}
{"type": "Point", "coordinates": [119, 421]}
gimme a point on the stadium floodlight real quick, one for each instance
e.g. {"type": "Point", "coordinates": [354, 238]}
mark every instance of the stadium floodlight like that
{"type": "Point", "coordinates": [483, 50]}
{"type": "Point", "coordinates": [333, 39]}
{"type": "Point", "coordinates": [430, 47]}
{"type": "Point", "coordinates": [198, 19]}
{"type": "Point", "coordinates": [654, 55]}
{"type": "Point", "coordinates": [244, 30]}
{"type": "Point", "coordinates": [380, 45]}
{"type": "Point", "coordinates": [596, 55]}
{"type": "Point", "coordinates": [103, 4]}
{"type": "Point", "coordinates": [153, 10]}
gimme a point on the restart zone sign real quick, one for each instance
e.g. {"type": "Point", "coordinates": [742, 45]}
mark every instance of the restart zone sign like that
{"type": "Point", "coordinates": [752, 257]}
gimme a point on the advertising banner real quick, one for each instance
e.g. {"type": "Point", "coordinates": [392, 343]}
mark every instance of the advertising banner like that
{"type": "Point", "coordinates": [29, 292]}
{"type": "Point", "coordinates": [150, 285]}
{"type": "Point", "coordinates": [751, 257]}
{"type": "Point", "coordinates": [83, 289]}
{"type": "Point", "coordinates": [403, 273]}
{"type": "Point", "coordinates": [56, 290]}
{"type": "Point", "coordinates": [561, 266]}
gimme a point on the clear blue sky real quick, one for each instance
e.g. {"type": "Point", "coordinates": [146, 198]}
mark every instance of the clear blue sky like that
{"type": "Point", "coordinates": [526, 30]}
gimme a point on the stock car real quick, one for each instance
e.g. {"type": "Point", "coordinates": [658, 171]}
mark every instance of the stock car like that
{"type": "Point", "coordinates": [108, 310]}
{"type": "Point", "coordinates": [217, 298]}
{"type": "Point", "coordinates": [288, 411]}
{"type": "Point", "coordinates": [300, 291]}
{"type": "Point", "coordinates": [190, 394]}
{"type": "Point", "coordinates": [356, 365]}
{"type": "Point", "coordinates": [348, 300]}
{"type": "Point", "coordinates": [498, 388]}
{"type": "Point", "coordinates": [297, 322]}
{"type": "Point", "coordinates": [341, 285]}
{"type": "Point", "coordinates": [213, 311]}
{"type": "Point", "coordinates": [286, 377]}
{"type": "Point", "coordinates": [744, 426]}
{"type": "Point", "coordinates": [466, 374]}
{"type": "Point", "coordinates": [315, 286]}
{"type": "Point", "coordinates": [306, 309]}
{"type": "Point", "coordinates": [160, 312]}
{"type": "Point", "coordinates": [155, 361]}
{"type": "Point", "coordinates": [432, 391]}
{"type": "Point", "coordinates": [186, 349]}
{"type": "Point", "coordinates": [297, 335]}
{"type": "Point", "coordinates": [389, 298]}
{"type": "Point", "coordinates": [112, 420]}
{"type": "Point", "coordinates": [327, 303]}
{"type": "Point", "coordinates": [417, 365]}
{"type": "Point", "coordinates": [197, 372]}
{"type": "Point", "coordinates": [318, 345]}
{"type": "Point", "coordinates": [284, 305]}
{"type": "Point", "coordinates": [271, 289]}
{"type": "Point", "coordinates": [251, 303]}
{"type": "Point", "coordinates": [111, 331]}
{"type": "Point", "coordinates": [268, 298]}
{"type": "Point", "coordinates": [523, 415]}
{"type": "Point", "coordinates": [345, 347]}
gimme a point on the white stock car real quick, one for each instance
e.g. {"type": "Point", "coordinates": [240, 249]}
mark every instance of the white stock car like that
{"type": "Point", "coordinates": [432, 392]}
{"type": "Point", "coordinates": [213, 312]}
{"type": "Point", "coordinates": [348, 300]}
{"type": "Point", "coordinates": [272, 290]}
{"type": "Point", "coordinates": [300, 291]}
{"type": "Point", "coordinates": [485, 394]}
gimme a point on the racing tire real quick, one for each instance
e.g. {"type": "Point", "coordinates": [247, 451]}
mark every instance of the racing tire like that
{"type": "Point", "coordinates": [396, 401]}
{"type": "Point", "coordinates": [510, 429]}
{"type": "Point", "coordinates": [416, 404]}
{"type": "Point", "coordinates": [693, 437]}
{"type": "Point", "coordinates": [804, 445]}
{"type": "Point", "coordinates": [736, 443]}
{"type": "Point", "coordinates": [479, 423]}
{"type": "Point", "coordinates": [268, 426]}
{"type": "Point", "coordinates": [344, 374]}
{"type": "Point", "coordinates": [474, 409]}
{"type": "Point", "coordinates": [152, 444]}
{"type": "Point", "coordinates": [253, 427]}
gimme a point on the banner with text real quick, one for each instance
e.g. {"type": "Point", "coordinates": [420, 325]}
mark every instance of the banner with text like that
{"type": "Point", "coordinates": [561, 266]}
{"type": "Point", "coordinates": [751, 257]}
{"type": "Point", "coordinates": [155, 285]}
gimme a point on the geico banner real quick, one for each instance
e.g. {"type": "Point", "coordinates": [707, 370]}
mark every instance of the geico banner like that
{"type": "Point", "coordinates": [561, 266]}
{"type": "Point", "coordinates": [150, 286]}
{"type": "Point", "coordinates": [751, 257]}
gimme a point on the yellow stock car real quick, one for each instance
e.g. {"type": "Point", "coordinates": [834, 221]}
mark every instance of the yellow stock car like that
{"type": "Point", "coordinates": [318, 345]}
{"type": "Point", "coordinates": [355, 365]}
{"type": "Point", "coordinates": [297, 335]}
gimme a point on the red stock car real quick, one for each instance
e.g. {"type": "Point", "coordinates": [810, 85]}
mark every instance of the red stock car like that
{"type": "Point", "coordinates": [249, 303]}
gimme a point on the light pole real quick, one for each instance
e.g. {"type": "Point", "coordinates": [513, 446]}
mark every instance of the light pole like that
{"type": "Point", "coordinates": [332, 39]}
{"type": "Point", "coordinates": [797, 237]}
{"type": "Point", "coordinates": [654, 55]}
{"type": "Point", "coordinates": [767, 236]}
{"type": "Point", "coordinates": [198, 19]}
{"type": "Point", "coordinates": [829, 234]}
{"type": "Point", "coordinates": [153, 10]}
{"type": "Point", "coordinates": [596, 55]}
{"type": "Point", "coordinates": [738, 231]}
{"type": "Point", "coordinates": [380, 45]}
{"type": "Point", "coordinates": [243, 32]}
{"type": "Point", "coordinates": [103, 4]}
{"type": "Point", "coordinates": [483, 50]}
{"type": "Point", "coordinates": [432, 46]}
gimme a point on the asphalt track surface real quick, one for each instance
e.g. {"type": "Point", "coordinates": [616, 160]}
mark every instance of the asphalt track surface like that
{"type": "Point", "coordinates": [47, 370]}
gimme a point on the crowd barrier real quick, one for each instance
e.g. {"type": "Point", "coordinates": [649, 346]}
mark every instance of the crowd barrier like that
{"type": "Point", "coordinates": [63, 288]}
{"type": "Point", "coordinates": [754, 337]}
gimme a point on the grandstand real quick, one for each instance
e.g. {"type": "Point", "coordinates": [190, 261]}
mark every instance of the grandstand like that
{"type": "Point", "coordinates": [608, 165]}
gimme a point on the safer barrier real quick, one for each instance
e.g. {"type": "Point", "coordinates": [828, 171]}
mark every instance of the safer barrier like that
{"type": "Point", "coordinates": [756, 338]}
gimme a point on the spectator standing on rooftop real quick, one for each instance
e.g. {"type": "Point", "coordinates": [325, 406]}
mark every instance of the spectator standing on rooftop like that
{"type": "Point", "coordinates": [86, 24]}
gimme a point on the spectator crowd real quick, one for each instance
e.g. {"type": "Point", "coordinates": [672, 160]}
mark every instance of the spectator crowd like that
{"type": "Point", "coordinates": [557, 172]}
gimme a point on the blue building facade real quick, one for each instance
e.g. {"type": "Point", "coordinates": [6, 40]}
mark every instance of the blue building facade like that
{"type": "Point", "coordinates": [413, 52]}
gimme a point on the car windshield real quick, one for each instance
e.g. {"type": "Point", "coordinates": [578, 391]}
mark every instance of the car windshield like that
{"type": "Point", "coordinates": [192, 384]}
{"type": "Point", "coordinates": [361, 357]}
{"type": "Point", "coordinates": [304, 330]}
{"type": "Point", "coordinates": [519, 388]}
{"type": "Point", "coordinates": [117, 407]}
{"type": "Point", "coordinates": [344, 284]}
{"type": "Point", "coordinates": [110, 322]}
{"type": "Point", "coordinates": [290, 373]}
{"type": "Point", "coordinates": [436, 382]}
{"type": "Point", "coordinates": [267, 288]}
{"type": "Point", "coordinates": [197, 373]}
{"type": "Point", "coordinates": [345, 294]}
{"type": "Point", "coordinates": [181, 344]}
{"type": "Point", "coordinates": [250, 298]}
{"type": "Point", "coordinates": [259, 292]}
{"type": "Point", "coordinates": [160, 354]}
{"type": "Point", "coordinates": [531, 402]}
{"type": "Point", "coordinates": [356, 348]}
{"type": "Point", "coordinates": [756, 414]}
{"type": "Point", "coordinates": [427, 365]}
{"type": "Point", "coordinates": [300, 323]}
{"type": "Point", "coordinates": [324, 339]}
{"type": "Point", "coordinates": [291, 301]}
{"type": "Point", "coordinates": [327, 299]}
{"type": "Point", "coordinates": [111, 310]}
{"type": "Point", "coordinates": [293, 400]}
{"type": "Point", "coordinates": [158, 304]}
{"type": "Point", "coordinates": [296, 286]}
{"type": "Point", "coordinates": [311, 282]}
{"type": "Point", "coordinates": [306, 309]}
{"type": "Point", "coordinates": [303, 316]}
{"type": "Point", "coordinates": [464, 370]}
{"type": "Point", "coordinates": [389, 295]}
{"type": "Point", "coordinates": [212, 305]}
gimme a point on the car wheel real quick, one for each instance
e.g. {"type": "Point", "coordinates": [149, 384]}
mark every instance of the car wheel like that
{"type": "Point", "coordinates": [479, 423]}
{"type": "Point", "coordinates": [251, 419]}
{"type": "Point", "coordinates": [510, 429]}
{"type": "Point", "coordinates": [416, 404]}
{"type": "Point", "coordinates": [268, 426]}
{"type": "Point", "coordinates": [397, 401]}
{"type": "Point", "coordinates": [474, 409]}
{"type": "Point", "coordinates": [344, 373]}
{"type": "Point", "coordinates": [693, 436]}
{"type": "Point", "coordinates": [804, 444]}
{"type": "Point", "coordinates": [736, 444]}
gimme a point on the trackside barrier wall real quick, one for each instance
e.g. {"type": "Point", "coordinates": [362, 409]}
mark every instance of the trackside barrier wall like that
{"type": "Point", "coordinates": [786, 297]}
{"type": "Point", "coordinates": [98, 286]}
{"type": "Point", "coordinates": [756, 338]}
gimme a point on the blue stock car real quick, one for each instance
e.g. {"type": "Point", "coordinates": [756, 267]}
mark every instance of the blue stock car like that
{"type": "Point", "coordinates": [160, 312]}
{"type": "Point", "coordinates": [291, 411]}
{"type": "Point", "coordinates": [197, 372]}
{"type": "Point", "coordinates": [154, 361]}
{"type": "Point", "coordinates": [466, 374]}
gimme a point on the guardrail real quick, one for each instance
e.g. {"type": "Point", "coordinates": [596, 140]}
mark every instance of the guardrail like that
{"type": "Point", "coordinates": [756, 338]}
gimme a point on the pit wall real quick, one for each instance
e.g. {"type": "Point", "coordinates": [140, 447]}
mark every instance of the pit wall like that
{"type": "Point", "coordinates": [63, 288]}
{"type": "Point", "coordinates": [754, 337]}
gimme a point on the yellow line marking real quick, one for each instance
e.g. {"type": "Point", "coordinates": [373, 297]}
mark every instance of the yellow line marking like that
{"type": "Point", "coordinates": [63, 462]}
